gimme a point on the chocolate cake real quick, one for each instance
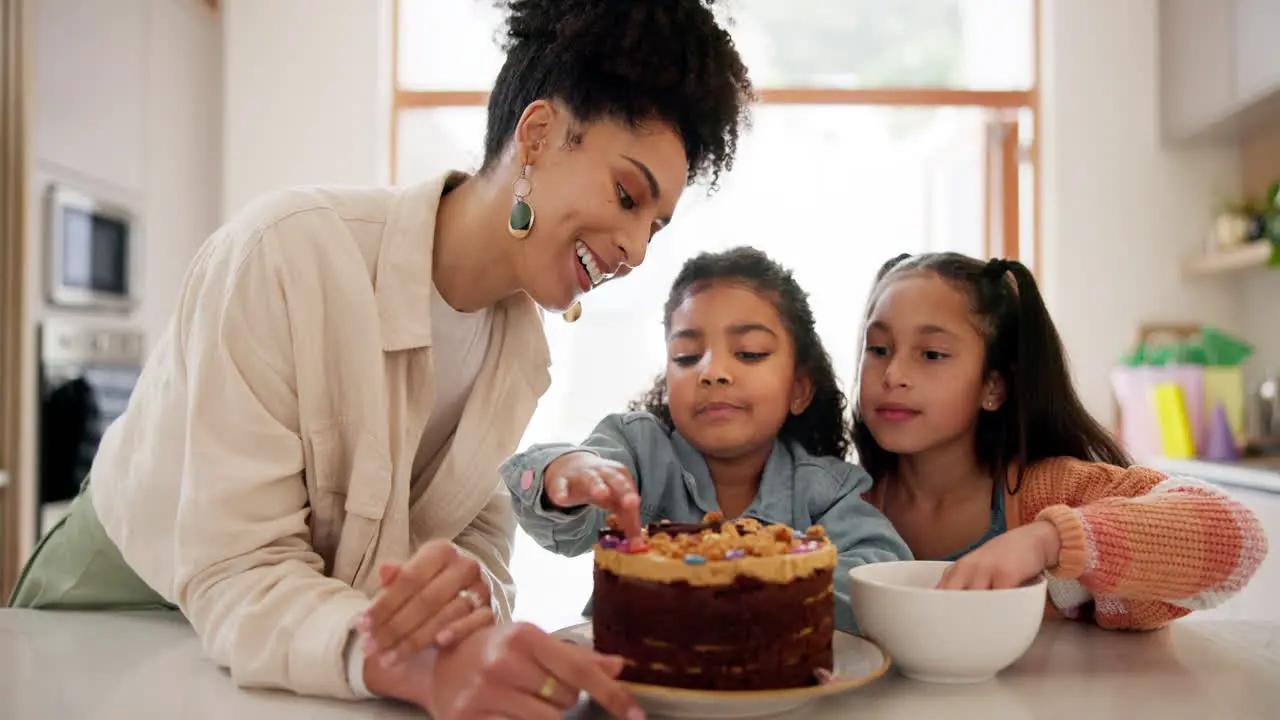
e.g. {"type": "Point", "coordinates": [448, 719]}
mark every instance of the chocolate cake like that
{"type": "Point", "coordinates": [737, 605]}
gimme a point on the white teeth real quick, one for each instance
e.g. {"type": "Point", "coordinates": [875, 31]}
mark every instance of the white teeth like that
{"type": "Point", "coordinates": [589, 263]}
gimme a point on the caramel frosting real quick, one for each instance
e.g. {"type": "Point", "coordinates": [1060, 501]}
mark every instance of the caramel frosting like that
{"type": "Point", "coordinates": [716, 552]}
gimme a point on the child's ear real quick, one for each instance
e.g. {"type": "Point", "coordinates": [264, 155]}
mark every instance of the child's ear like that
{"type": "Point", "coordinates": [801, 393]}
{"type": "Point", "coordinates": [993, 392]}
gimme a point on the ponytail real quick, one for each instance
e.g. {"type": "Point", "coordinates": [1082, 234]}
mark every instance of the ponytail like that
{"type": "Point", "coordinates": [1046, 417]}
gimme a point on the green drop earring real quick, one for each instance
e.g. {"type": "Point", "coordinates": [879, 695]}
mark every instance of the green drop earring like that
{"type": "Point", "coordinates": [520, 222]}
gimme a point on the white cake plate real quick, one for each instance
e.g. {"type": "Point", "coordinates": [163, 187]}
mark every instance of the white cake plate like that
{"type": "Point", "coordinates": [858, 661]}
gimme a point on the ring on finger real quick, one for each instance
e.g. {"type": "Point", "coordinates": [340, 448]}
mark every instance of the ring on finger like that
{"type": "Point", "coordinates": [548, 688]}
{"type": "Point", "coordinates": [472, 597]}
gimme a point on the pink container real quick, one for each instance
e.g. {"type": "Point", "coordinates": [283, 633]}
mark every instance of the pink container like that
{"type": "Point", "coordinates": [1139, 427]}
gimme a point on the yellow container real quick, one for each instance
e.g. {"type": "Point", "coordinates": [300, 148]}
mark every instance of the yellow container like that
{"type": "Point", "coordinates": [1175, 425]}
{"type": "Point", "coordinates": [1225, 385]}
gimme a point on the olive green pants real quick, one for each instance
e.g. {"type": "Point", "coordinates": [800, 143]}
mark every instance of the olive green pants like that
{"type": "Point", "coordinates": [77, 567]}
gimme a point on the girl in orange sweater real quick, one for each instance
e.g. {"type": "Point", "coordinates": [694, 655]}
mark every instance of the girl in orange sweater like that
{"type": "Point", "coordinates": [982, 453]}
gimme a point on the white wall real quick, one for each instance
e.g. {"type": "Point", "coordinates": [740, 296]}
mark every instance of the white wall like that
{"type": "Point", "coordinates": [1260, 161]}
{"type": "Point", "coordinates": [127, 105]}
{"type": "Point", "coordinates": [307, 95]}
{"type": "Point", "coordinates": [1119, 210]}
{"type": "Point", "coordinates": [1261, 299]}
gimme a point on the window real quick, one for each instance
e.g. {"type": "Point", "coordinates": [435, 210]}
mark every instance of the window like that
{"type": "Point", "coordinates": [886, 126]}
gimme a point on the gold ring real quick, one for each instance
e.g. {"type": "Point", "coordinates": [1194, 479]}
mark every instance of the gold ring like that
{"type": "Point", "coordinates": [548, 688]}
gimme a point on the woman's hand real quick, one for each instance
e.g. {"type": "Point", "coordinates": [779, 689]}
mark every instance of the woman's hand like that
{"type": "Point", "coordinates": [1006, 561]}
{"type": "Point", "coordinates": [583, 478]}
{"type": "Point", "coordinates": [436, 598]}
{"type": "Point", "coordinates": [518, 671]}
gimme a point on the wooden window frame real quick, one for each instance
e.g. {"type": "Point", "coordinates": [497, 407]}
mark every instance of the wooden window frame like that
{"type": "Point", "coordinates": [15, 163]}
{"type": "Point", "coordinates": [1005, 104]}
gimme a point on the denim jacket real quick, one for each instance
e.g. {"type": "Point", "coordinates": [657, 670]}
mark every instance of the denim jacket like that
{"type": "Point", "coordinates": [796, 488]}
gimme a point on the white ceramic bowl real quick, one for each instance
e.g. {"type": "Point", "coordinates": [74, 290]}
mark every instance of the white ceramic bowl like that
{"type": "Point", "coordinates": [944, 636]}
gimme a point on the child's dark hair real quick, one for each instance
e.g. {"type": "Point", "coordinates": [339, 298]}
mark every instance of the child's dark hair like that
{"type": "Point", "coordinates": [630, 61]}
{"type": "Point", "coordinates": [823, 427]}
{"type": "Point", "coordinates": [1041, 417]}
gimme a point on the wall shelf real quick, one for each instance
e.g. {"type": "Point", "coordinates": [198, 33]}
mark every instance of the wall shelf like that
{"type": "Point", "coordinates": [1252, 255]}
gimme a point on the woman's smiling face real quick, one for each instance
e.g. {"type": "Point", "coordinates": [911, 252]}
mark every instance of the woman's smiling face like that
{"type": "Point", "coordinates": [598, 200]}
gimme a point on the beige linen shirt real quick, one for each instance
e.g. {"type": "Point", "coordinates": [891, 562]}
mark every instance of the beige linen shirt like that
{"type": "Point", "coordinates": [262, 470]}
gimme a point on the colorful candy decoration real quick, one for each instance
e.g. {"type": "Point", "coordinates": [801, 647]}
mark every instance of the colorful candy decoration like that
{"type": "Point", "coordinates": [701, 545]}
{"type": "Point", "coordinates": [805, 547]}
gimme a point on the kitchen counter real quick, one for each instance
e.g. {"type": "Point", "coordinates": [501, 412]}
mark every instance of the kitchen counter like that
{"type": "Point", "coordinates": [67, 666]}
{"type": "Point", "coordinates": [1252, 473]}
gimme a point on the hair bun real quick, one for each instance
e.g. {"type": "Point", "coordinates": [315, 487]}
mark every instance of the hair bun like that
{"type": "Point", "coordinates": [532, 19]}
{"type": "Point", "coordinates": [630, 60]}
{"type": "Point", "coordinates": [550, 20]}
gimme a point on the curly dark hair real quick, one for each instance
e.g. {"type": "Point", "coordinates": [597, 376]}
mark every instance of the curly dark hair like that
{"type": "Point", "coordinates": [823, 428]}
{"type": "Point", "coordinates": [1041, 417]}
{"type": "Point", "coordinates": [629, 61]}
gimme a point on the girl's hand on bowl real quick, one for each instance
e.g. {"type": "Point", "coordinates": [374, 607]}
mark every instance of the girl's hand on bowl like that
{"type": "Point", "coordinates": [1006, 561]}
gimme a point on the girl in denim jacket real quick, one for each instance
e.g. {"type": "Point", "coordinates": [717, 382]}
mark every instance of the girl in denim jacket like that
{"type": "Point", "coordinates": [748, 420]}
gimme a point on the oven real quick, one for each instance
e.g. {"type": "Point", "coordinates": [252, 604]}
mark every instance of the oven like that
{"type": "Point", "coordinates": [87, 375]}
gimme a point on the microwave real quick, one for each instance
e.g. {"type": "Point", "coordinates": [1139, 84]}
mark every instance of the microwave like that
{"type": "Point", "coordinates": [90, 246]}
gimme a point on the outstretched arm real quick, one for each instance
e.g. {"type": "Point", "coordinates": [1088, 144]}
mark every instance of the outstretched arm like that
{"type": "Point", "coordinates": [1146, 548]}
{"type": "Point", "coordinates": [568, 531]}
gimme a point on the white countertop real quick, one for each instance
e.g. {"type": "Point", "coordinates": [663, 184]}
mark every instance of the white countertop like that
{"type": "Point", "coordinates": [68, 666]}
{"type": "Point", "coordinates": [1254, 475]}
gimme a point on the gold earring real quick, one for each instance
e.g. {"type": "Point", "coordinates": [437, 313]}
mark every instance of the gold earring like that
{"type": "Point", "coordinates": [573, 313]}
{"type": "Point", "coordinates": [520, 222]}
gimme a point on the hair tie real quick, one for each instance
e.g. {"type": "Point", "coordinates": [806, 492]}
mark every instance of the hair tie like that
{"type": "Point", "coordinates": [1000, 272]}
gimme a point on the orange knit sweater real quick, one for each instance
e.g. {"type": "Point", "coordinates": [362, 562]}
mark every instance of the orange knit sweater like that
{"type": "Point", "coordinates": [1139, 548]}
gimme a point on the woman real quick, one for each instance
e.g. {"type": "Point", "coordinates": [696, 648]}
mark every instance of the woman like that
{"type": "Point", "coordinates": [323, 420]}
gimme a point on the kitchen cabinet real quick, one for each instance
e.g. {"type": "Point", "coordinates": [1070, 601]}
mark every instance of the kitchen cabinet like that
{"type": "Point", "coordinates": [1219, 72]}
{"type": "Point", "coordinates": [1257, 65]}
{"type": "Point", "coordinates": [89, 94]}
{"type": "Point", "coordinates": [1197, 64]}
